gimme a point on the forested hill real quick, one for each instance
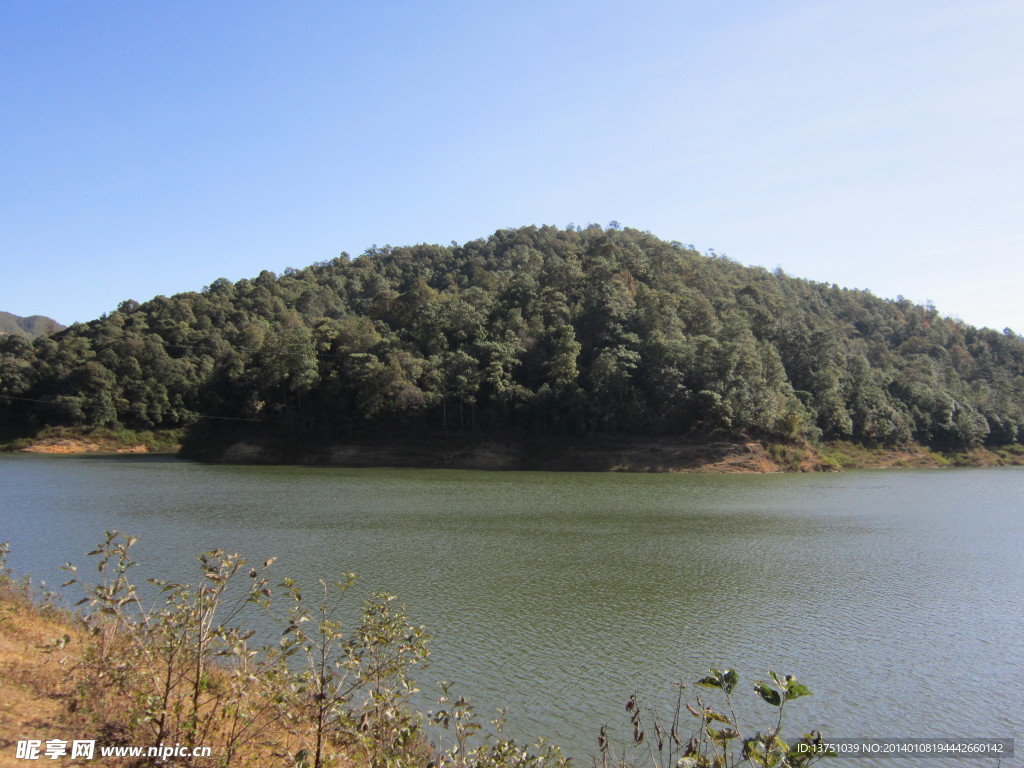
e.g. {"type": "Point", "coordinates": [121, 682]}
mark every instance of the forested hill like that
{"type": "Point", "coordinates": [534, 331]}
{"type": "Point", "coordinates": [30, 327]}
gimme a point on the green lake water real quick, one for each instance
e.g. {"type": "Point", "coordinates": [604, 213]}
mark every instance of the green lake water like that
{"type": "Point", "coordinates": [896, 596]}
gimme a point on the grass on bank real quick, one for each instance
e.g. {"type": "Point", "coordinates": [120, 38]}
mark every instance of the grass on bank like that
{"type": "Point", "coordinates": [96, 440]}
{"type": "Point", "coordinates": [841, 455]}
{"type": "Point", "coordinates": [180, 669]}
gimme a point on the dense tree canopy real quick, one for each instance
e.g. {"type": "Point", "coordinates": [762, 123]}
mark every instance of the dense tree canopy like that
{"type": "Point", "coordinates": [539, 330]}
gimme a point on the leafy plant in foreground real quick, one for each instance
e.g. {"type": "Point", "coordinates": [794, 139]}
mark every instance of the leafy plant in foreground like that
{"type": "Point", "coordinates": [158, 656]}
{"type": "Point", "coordinates": [717, 740]}
{"type": "Point", "coordinates": [351, 690]}
{"type": "Point", "coordinates": [458, 716]}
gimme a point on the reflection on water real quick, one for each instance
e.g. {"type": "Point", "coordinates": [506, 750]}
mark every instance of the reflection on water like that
{"type": "Point", "coordinates": [891, 594]}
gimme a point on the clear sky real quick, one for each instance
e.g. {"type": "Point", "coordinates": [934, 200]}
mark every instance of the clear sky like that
{"type": "Point", "coordinates": [150, 148]}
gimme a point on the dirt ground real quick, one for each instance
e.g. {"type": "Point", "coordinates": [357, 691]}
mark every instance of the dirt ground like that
{"type": "Point", "coordinates": [34, 699]}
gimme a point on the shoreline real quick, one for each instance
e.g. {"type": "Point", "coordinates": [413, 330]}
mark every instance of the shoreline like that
{"type": "Point", "coordinates": [708, 454]}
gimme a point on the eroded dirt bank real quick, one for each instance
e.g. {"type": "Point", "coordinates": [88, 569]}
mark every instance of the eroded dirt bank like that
{"type": "Point", "coordinates": [721, 453]}
{"type": "Point", "coordinates": [597, 455]}
{"type": "Point", "coordinates": [710, 453]}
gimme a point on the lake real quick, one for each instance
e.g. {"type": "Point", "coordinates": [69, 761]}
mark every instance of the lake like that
{"type": "Point", "coordinates": [896, 596]}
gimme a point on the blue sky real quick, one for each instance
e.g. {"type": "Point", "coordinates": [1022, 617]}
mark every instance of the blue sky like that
{"type": "Point", "coordinates": [150, 148]}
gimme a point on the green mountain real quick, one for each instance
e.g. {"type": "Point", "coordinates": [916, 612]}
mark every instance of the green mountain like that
{"type": "Point", "coordinates": [29, 327]}
{"type": "Point", "coordinates": [535, 331]}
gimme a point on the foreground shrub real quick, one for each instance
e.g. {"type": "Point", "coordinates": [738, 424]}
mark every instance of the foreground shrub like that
{"type": "Point", "coordinates": [173, 664]}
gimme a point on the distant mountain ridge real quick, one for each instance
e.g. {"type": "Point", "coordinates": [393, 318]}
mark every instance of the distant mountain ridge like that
{"type": "Point", "coordinates": [30, 327]}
